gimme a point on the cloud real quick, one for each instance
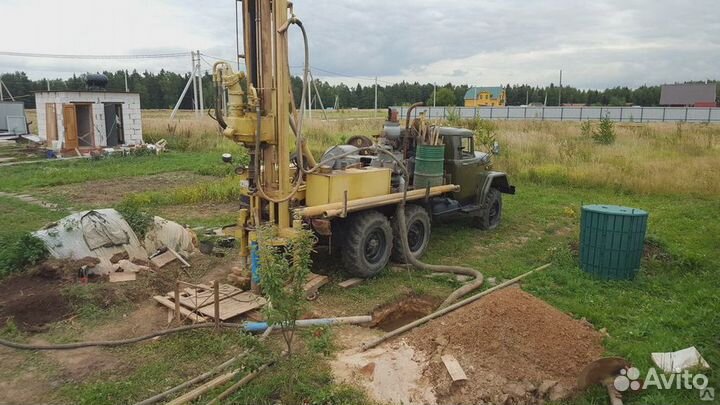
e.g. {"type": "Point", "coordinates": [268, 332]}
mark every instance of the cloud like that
{"type": "Point", "coordinates": [604, 43]}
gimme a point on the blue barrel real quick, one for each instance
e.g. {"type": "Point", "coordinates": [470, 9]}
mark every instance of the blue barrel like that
{"type": "Point", "coordinates": [611, 241]}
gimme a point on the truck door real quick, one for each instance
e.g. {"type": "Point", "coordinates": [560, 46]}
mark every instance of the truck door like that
{"type": "Point", "coordinates": [463, 166]}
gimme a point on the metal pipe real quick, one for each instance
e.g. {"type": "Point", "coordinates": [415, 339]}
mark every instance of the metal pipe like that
{"type": "Point", "coordinates": [262, 326]}
{"type": "Point", "coordinates": [334, 209]}
{"type": "Point", "coordinates": [446, 310]}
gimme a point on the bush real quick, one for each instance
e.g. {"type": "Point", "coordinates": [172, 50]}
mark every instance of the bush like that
{"type": "Point", "coordinates": [139, 219]}
{"type": "Point", "coordinates": [605, 132]}
{"type": "Point", "coordinates": [586, 129]}
{"type": "Point", "coordinates": [16, 253]}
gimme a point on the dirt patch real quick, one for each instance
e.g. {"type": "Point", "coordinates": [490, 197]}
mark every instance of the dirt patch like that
{"type": "Point", "coordinates": [198, 212]}
{"type": "Point", "coordinates": [32, 302]}
{"type": "Point", "coordinates": [105, 193]}
{"type": "Point", "coordinates": [400, 313]}
{"type": "Point", "coordinates": [512, 346]}
{"type": "Point", "coordinates": [389, 376]}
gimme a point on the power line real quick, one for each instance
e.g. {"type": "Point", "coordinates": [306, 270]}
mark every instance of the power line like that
{"type": "Point", "coordinates": [68, 56]}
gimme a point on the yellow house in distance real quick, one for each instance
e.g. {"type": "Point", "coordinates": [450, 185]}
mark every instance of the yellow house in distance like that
{"type": "Point", "coordinates": [485, 97]}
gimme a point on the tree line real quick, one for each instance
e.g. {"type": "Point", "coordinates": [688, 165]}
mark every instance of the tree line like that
{"type": "Point", "coordinates": [161, 91]}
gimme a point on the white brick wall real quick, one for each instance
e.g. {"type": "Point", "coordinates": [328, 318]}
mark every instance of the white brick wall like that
{"type": "Point", "coordinates": [132, 116]}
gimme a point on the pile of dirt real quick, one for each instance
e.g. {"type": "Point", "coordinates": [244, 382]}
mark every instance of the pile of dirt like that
{"type": "Point", "coordinates": [62, 269]}
{"type": "Point", "coordinates": [32, 302]}
{"type": "Point", "coordinates": [514, 348]}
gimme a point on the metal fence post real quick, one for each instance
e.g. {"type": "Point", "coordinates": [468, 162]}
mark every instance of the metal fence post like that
{"type": "Point", "coordinates": [621, 113]}
{"type": "Point", "coordinates": [641, 114]}
{"type": "Point", "coordinates": [491, 110]}
{"type": "Point", "coordinates": [562, 113]}
{"type": "Point", "coordinates": [475, 114]}
{"type": "Point", "coordinates": [525, 113]}
{"type": "Point", "coordinates": [543, 114]}
{"type": "Point", "coordinates": [709, 114]}
{"type": "Point", "coordinates": [581, 110]}
{"type": "Point", "coordinates": [686, 114]}
{"type": "Point", "coordinates": [663, 117]}
{"type": "Point", "coordinates": [507, 116]}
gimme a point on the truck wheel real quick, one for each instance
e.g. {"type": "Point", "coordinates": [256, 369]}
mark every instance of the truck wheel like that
{"type": "Point", "coordinates": [368, 244]}
{"type": "Point", "coordinates": [490, 217]}
{"type": "Point", "coordinates": [418, 224]}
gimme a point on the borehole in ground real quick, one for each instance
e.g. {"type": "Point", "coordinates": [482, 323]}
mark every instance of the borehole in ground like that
{"type": "Point", "coordinates": [400, 313]}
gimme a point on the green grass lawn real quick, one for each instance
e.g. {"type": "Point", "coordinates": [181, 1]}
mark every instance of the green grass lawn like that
{"type": "Point", "coordinates": [672, 304]}
{"type": "Point", "coordinates": [43, 174]}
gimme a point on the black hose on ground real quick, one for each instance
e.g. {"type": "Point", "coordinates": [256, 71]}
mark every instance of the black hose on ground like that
{"type": "Point", "coordinates": [113, 343]}
{"type": "Point", "coordinates": [439, 268]}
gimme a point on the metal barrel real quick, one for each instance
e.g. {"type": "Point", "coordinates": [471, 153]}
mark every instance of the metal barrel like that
{"type": "Point", "coordinates": [429, 165]}
{"type": "Point", "coordinates": [611, 241]}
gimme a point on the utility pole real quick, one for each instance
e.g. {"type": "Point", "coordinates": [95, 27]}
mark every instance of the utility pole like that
{"type": "Point", "coordinates": [2, 98]}
{"type": "Point", "coordinates": [194, 83]}
{"type": "Point", "coordinates": [375, 114]}
{"type": "Point", "coordinates": [237, 35]}
{"type": "Point", "coordinates": [434, 93]}
{"type": "Point", "coordinates": [200, 85]}
{"type": "Point", "coordinates": [127, 90]}
{"type": "Point", "coordinates": [560, 91]}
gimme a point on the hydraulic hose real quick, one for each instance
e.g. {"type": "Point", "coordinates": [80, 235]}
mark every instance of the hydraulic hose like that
{"type": "Point", "coordinates": [400, 213]}
{"type": "Point", "coordinates": [113, 343]}
{"type": "Point", "coordinates": [297, 127]}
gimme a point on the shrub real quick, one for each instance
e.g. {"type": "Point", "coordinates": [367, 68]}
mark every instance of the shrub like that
{"type": "Point", "coordinates": [139, 219]}
{"type": "Point", "coordinates": [16, 253]}
{"type": "Point", "coordinates": [605, 132]}
{"type": "Point", "coordinates": [283, 272]}
{"type": "Point", "coordinates": [586, 129]}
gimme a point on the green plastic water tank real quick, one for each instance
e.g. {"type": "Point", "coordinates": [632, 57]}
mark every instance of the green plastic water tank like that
{"type": "Point", "coordinates": [429, 165]}
{"type": "Point", "coordinates": [611, 241]}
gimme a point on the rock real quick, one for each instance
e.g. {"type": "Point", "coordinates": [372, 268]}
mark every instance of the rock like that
{"type": "Point", "coordinates": [545, 386]}
{"type": "Point", "coordinates": [368, 370]}
{"type": "Point", "coordinates": [515, 390]}
{"type": "Point", "coordinates": [119, 256]}
{"type": "Point", "coordinates": [529, 387]}
{"type": "Point", "coordinates": [558, 392]}
{"type": "Point", "coordinates": [503, 399]}
{"type": "Point", "coordinates": [463, 278]}
{"type": "Point", "coordinates": [441, 340]}
{"type": "Point", "coordinates": [492, 281]}
{"type": "Point", "coordinates": [604, 332]}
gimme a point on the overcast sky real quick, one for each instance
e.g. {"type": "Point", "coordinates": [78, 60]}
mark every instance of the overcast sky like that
{"type": "Point", "coordinates": [597, 44]}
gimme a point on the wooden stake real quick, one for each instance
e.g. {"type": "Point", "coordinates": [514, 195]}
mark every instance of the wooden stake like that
{"type": "Point", "coordinates": [177, 302]}
{"type": "Point", "coordinates": [216, 293]}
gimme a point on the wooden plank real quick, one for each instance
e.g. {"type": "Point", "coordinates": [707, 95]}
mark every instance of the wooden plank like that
{"type": "Point", "coordinates": [184, 311]}
{"type": "Point", "coordinates": [235, 306]}
{"type": "Point", "coordinates": [453, 367]}
{"type": "Point", "coordinates": [314, 283]}
{"type": "Point", "coordinates": [199, 297]}
{"type": "Point", "coordinates": [163, 259]}
{"type": "Point", "coordinates": [121, 276]}
{"type": "Point", "coordinates": [214, 383]}
{"type": "Point", "coordinates": [351, 282]}
{"type": "Point", "coordinates": [177, 255]}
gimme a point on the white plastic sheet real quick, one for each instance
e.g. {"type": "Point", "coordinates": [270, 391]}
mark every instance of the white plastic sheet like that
{"type": "Point", "coordinates": [103, 233]}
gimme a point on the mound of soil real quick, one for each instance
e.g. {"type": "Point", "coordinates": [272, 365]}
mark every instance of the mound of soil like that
{"type": "Point", "coordinates": [514, 348]}
{"type": "Point", "coordinates": [32, 302]}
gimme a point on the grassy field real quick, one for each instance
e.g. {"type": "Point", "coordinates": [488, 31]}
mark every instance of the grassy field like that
{"type": "Point", "coordinates": [672, 171]}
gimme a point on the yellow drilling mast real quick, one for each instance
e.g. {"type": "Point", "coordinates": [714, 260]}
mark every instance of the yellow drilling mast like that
{"type": "Point", "coordinates": [349, 196]}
